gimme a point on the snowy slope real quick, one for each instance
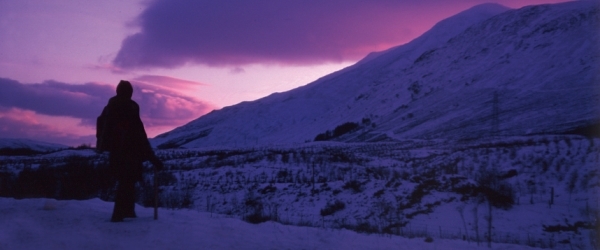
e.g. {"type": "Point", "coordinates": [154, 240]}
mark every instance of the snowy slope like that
{"type": "Point", "coordinates": [309, 106]}
{"type": "Point", "coordinates": [541, 61]}
{"type": "Point", "coordinates": [414, 182]}
{"type": "Point", "coordinates": [51, 224]}
{"type": "Point", "coordinates": [9, 143]}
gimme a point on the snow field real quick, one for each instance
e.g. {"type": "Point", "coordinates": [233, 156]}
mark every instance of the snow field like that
{"type": "Point", "coordinates": [409, 188]}
{"type": "Point", "coordinates": [71, 224]}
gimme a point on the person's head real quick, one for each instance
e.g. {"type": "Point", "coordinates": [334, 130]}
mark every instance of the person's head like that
{"type": "Point", "coordinates": [124, 89]}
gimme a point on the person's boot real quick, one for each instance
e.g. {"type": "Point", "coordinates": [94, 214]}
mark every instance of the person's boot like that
{"type": "Point", "coordinates": [116, 219]}
{"type": "Point", "coordinates": [130, 215]}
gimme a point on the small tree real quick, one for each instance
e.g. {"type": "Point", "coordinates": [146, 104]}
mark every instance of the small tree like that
{"type": "Point", "coordinates": [332, 207]}
{"type": "Point", "coordinates": [572, 183]}
{"type": "Point", "coordinates": [498, 193]}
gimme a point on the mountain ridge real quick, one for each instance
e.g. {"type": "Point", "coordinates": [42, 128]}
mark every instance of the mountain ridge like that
{"type": "Point", "coordinates": [26, 146]}
{"type": "Point", "coordinates": [524, 56]}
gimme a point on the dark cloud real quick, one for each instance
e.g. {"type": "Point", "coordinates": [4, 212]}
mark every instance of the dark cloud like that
{"type": "Point", "coordinates": [175, 32]}
{"type": "Point", "coordinates": [53, 98]}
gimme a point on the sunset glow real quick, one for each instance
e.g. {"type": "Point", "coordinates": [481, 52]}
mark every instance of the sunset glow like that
{"type": "Point", "coordinates": [60, 62]}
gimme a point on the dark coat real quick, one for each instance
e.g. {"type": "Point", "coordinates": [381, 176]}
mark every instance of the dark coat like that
{"type": "Point", "coordinates": [124, 137]}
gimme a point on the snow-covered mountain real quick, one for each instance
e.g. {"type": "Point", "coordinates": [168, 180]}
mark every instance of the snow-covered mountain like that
{"type": "Point", "coordinates": [485, 71]}
{"type": "Point", "coordinates": [25, 146]}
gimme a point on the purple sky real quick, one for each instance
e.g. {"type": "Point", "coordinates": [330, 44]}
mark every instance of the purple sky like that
{"type": "Point", "coordinates": [60, 62]}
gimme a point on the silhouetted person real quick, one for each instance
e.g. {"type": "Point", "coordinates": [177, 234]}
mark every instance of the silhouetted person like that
{"type": "Point", "coordinates": [120, 131]}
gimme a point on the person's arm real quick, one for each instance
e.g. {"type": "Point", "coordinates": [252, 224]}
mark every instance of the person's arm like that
{"type": "Point", "coordinates": [157, 163]}
{"type": "Point", "coordinates": [147, 151]}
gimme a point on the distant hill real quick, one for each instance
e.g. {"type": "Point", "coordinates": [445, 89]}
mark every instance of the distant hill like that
{"type": "Point", "coordinates": [486, 71]}
{"type": "Point", "coordinates": [9, 146]}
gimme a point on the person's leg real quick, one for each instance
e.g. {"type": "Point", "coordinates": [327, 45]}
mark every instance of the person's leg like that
{"type": "Point", "coordinates": [129, 199]}
{"type": "Point", "coordinates": [120, 202]}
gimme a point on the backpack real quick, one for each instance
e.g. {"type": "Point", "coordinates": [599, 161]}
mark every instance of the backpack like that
{"type": "Point", "coordinates": [101, 142]}
{"type": "Point", "coordinates": [115, 134]}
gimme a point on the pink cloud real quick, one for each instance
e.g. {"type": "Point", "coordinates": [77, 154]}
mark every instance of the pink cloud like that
{"type": "Point", "coordinates": [19, 116]}
{"type": "Point", "coordinates": [170, 82]}
{"type": "Point", "coordinates": [108, 67]}
{"type": "Point", "coordinates": [164, 107]}
{"type": "Point", "coordinates": [18, 123]}
{"type": "Point", "coordinates": [63, 112]}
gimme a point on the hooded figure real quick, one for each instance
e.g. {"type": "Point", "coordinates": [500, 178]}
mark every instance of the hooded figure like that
{"type": "Point", "coordinates": [121, 132]}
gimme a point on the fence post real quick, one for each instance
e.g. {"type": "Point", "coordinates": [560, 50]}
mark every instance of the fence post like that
{"type": "Point", "coordinates": [551, 197]}
{"type": "Point", "coordinates": [489, 224]}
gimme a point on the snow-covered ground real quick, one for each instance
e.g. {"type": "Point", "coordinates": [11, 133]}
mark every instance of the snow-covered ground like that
{"type": "Point", "coordinates": [407, 189]}
{"type": "Point", "coordinates": [71, 224]}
